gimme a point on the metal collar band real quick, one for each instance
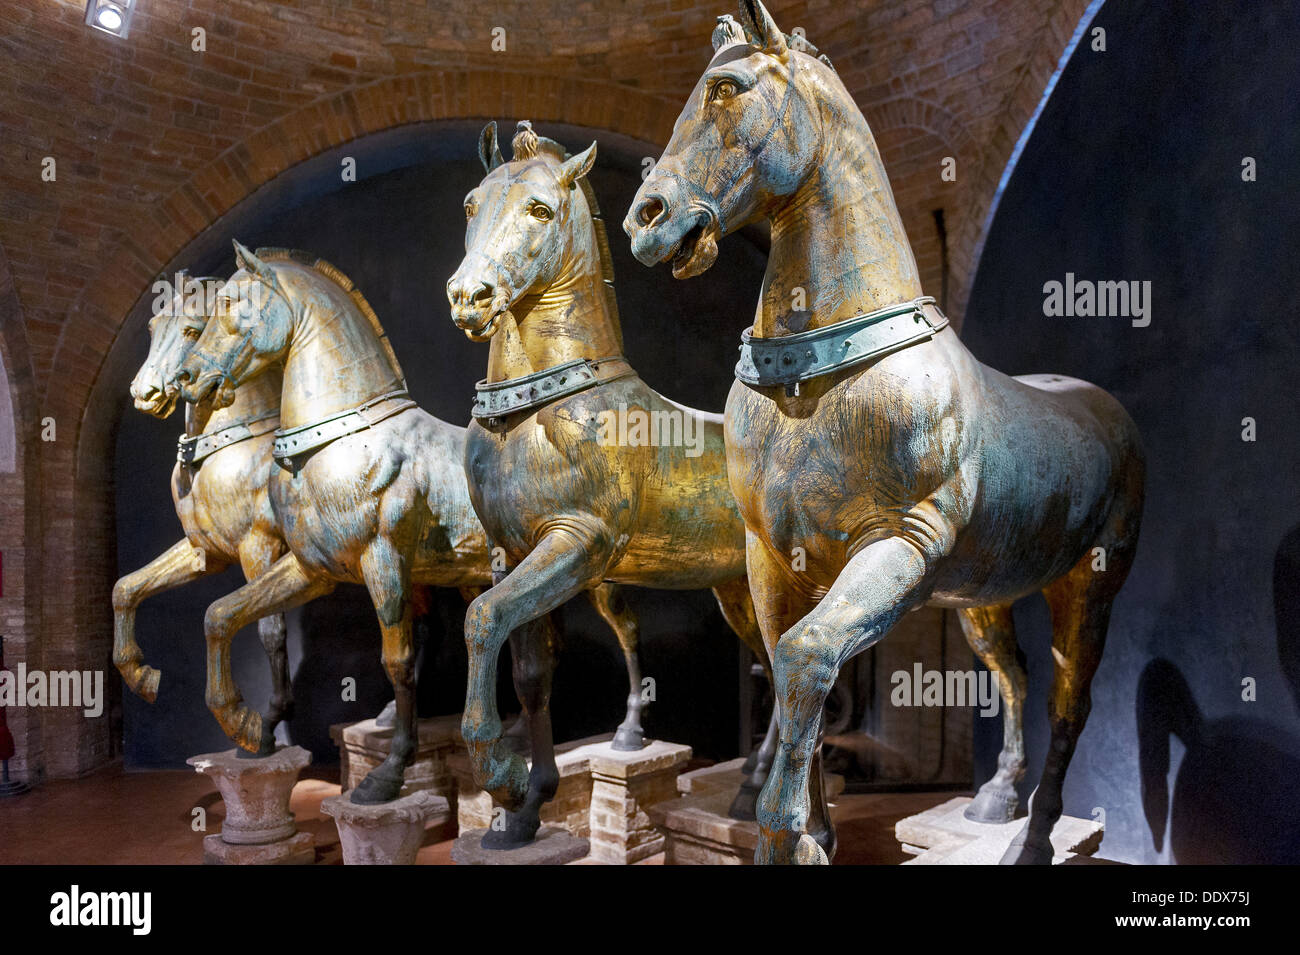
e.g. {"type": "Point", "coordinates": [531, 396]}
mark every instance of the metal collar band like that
{"type": "Point", "coordinates": [791, 359]}
{"type": "Point", "coordinates": [294, 442]}
{"type": "Point", "coordinates": [192, 449]}
{"type": "Point", "coordinates": [494, 401]}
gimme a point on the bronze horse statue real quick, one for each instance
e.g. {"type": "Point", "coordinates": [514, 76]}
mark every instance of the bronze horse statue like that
{"type": "Point", "coordinates": [862, 432]}
{"type": "Point", "coordinates": [219, 487]}
{"type": "Point", "coordinates": [571, 502]}
{"type": "Point", "coordinates": [369, 488]}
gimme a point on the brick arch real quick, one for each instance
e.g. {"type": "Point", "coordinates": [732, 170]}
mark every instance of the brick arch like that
{"type": "Point", "coordinates": [1048, 56]}
{"type": "Point", "coordinates": [77, 531]}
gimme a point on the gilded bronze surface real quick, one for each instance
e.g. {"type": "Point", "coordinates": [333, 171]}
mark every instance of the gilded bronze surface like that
{"type": "Point", "coordinates": [572, 504]}
{"type": "Point", "coordinates": [921, 476]}
{"type": "Point", "coordinates": [222, 503]}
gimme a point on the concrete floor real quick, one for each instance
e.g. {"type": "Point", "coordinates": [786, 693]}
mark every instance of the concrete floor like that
{"type": "Point", "coordinates": [114, 817]}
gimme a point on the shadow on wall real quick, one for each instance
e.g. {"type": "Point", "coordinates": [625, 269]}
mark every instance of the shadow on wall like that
{"type": "Point", "coordinates": [1227, 763]}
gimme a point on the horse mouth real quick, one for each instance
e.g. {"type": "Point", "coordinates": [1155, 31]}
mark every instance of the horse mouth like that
{"type": "Point", "coordinates": [696, 250]}
{"type": "Point", "coordinates": [160, 404]}
{"type": "Point", "coordinates": [205, 387]}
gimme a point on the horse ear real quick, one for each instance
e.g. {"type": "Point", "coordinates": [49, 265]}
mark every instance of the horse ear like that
{"type": "Point", "coordinates": [759, 24]}
{"type": "Point", "coordinates": [249, 262]}
{"type": "Point", "coordinates": [488, 149]}
{"type": "Point", "coordinates": [578, 166]}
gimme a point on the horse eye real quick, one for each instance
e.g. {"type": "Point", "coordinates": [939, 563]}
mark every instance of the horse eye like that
{"type": "Point", "coordinates": [470, 209]}
{"type": "Point", "coordinates": [541, 212]}
{"type": "Point", "coordinates": [191, 333]}
{"type": "Point", "coordinates": [724, 89]}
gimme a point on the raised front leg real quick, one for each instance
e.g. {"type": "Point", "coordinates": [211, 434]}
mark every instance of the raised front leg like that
{"type": "Point", "coordinates": [564, 563]}
{"type": "Point", "coordinates": [283, 587]}
{"type": "Point", "coordinates": [608, 600]}
{"type": "Point", "coordinates": [881, 583]}
{"type": "Point", "coordinates": [532, 650]}
{"type": "Point", "coordinates": [172, 568]}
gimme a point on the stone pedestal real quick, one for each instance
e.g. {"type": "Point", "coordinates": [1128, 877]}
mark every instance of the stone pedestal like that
{"type": "Point", "coordinates": [387, 834]}
{"type": "Point", "coordinates": [570, 809]}
{"type": "Point", "coordinates": [697, 829]}
{"type": "Point", "coordinates": [259, 828]}
{"type": "Point", "coordinates": [944, 836]}
{"type": "Point", "coordinates": [363, 746]}
{"type": "Point", "coordinates": [625, 785]}
{"type": "Point", "coordinates": [553, 845]}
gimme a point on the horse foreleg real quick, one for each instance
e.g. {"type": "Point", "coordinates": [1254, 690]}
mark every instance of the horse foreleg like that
{"type": "Point", "coordinates": [881, 583]}
{"type": "Point", "coordinates": [608, 600]}
{"type": "Point", "coordinates": [991, 634]}
{"type": "Point", "coordinates": [285, 586]}
{"type": "Point", "coordinates": [532, 650]}
{"type": "Point", "coordinates": [173, 567]}
{"type": "Point", "coordinates": [258, 551]}
{"type": "Point", "coordinates": [563, 564]}
{"type": "Point", "coordinates": [384, 571]}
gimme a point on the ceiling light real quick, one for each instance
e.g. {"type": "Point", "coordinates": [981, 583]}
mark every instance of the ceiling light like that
{"type": "Point", "coordinates": [110, 16]}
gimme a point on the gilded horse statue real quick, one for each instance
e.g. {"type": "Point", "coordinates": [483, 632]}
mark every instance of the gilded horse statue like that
{"type": "Point", "coordinates": [219, 487]}
{"type": "Point", "coordinates": [862, 432]}
{"type": "Point", "coordinates": [571, 503]}
{"type": "Point", "coordinates": [369, 488]}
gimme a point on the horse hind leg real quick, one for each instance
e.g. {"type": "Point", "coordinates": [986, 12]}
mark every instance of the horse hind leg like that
{"type": "Point", "coordinates": [608, 600]}
{"type": "Point", "coordinates": [1080, 605]}
{"type": "Point", "coordinates": [991, 635]}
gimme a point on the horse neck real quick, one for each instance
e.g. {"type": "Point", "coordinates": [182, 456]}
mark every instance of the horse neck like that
{"type": "Point", "coordinates": [253, 399]}
{"type": "Point", "coordinates": [335, 362]}
{"type": "Point", "coordinates": [569, 319]}
{"type": "Point", "coordinates": [839, 237]}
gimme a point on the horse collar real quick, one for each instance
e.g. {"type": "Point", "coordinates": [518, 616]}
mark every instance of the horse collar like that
{"type": "Point", "coordinates": [493, 401]}
{"type": "Point", "coordinates": [790, 359]}
{"type": "Point", "coordinates": [292, 443]}
{"type": "Point", "coordinates": [191, 450]}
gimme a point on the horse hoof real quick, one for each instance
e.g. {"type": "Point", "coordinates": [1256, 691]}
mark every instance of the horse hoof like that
{"type": "Point", "coordinates": [745, 806]}
{"type": "Point", "coordinates": [149, 680]}
{"type": "Point", "coordinates": [628, 740]}
{"type": "Point", "coordinates": [520, 830]}
{"type": "Point", "coordinates": [808, 852]}
{"type": "Point", "coordinates": [993, 806]}
{"type": "Point", "coordinates": [375, 790]}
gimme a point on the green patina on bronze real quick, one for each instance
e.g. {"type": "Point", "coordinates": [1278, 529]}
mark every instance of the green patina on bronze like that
{"type": "Point", "coordinates": [921, 476]}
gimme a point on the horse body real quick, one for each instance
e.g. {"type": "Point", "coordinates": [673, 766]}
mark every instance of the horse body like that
{"type": "Point", "coordinates": [914, 475]}
{"type": "Point", "coordinates": [1011, 508]}
{"type": "Point", "coordinates": [222, 502]}
{"type": "Point", "coordinates": [664, 506]}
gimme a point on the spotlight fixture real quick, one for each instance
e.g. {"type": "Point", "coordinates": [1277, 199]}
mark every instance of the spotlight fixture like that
{"type": "Point", "coordinates": [110, 16]}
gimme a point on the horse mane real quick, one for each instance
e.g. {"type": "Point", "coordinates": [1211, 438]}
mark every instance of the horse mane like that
{"type": "Point", "coordinates": [336, 275]}
{"type": "Point", "coordinates": [526, 145]}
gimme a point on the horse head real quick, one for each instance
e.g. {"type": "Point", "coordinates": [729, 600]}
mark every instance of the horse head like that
{"type": "Point", "coordinates": [173, 332]}
{"type": "Point", "coordinates": [748, 136]}
{"type": "Point", "coordinates": [249, 334]}
{"type": "Point", "coordinates": [526, 228]}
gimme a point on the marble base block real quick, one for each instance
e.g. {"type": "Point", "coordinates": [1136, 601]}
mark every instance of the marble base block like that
{"type": "Point", "coordinates": [386, 834]}
{"type": "Point", "coordinates": [256, 795]}
{"type": "Point", "coordinates": [570, 809]}
{"type": "Point", "coordinates": [944, 836]}
{"type": "Point", "coordinates": [552, 846]}
{"type": "Point", "coordinates": [625, 785]}
{"type": "Point", "coordinates": [363, 746]}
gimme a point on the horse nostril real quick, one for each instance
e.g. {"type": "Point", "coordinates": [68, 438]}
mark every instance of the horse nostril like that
{"type": "Point", "coordinates": [650, 210]}
{"type": "Point", "coordinates": [482, 296]}
{"type": "Point", "coordinates": [183, 377]}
